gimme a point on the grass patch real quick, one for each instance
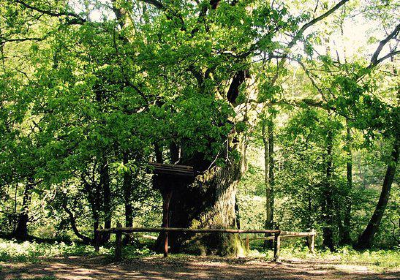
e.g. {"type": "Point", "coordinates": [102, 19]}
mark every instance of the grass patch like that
{"type": "Point", "coordinates": [376, 260]}
{"type": "Point", "coordinates": [11, 250]}
{"type": "Point", "coordinates": [134, 252]}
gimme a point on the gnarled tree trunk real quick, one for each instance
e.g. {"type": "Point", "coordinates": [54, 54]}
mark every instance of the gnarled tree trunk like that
{"type": "Point", "coordinates": [206, 201]}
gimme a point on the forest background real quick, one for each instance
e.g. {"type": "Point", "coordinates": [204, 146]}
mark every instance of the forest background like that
{"type": "Point", "coordinates": [287, 110]}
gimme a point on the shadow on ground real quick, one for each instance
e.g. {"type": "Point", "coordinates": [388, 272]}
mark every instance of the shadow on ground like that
{"type": "Point", "coordinates": [156, 268]}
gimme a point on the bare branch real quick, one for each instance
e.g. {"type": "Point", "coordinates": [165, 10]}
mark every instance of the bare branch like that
{"type": "Point", "coordinates": [389, 55]}
{"type": "Point", "coordinates": [300, 33]}
{"type": "Point", "coordinates": [311, 23]}
{"type": "Point", "coordinates": [314, 83]}
{"type": "Point", "coordinates": [317, 19]}
{"type": "Point", "coordinates": [77, 19]}
{"type": "Point", "coordinates": [374, 59]}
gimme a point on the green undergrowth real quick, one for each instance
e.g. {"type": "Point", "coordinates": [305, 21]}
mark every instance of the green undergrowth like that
{"type": "Point", "coordinates": [134, 252]}
{"type": "Point", "coordinates": [11, 250]}
{"type": "Point", "coordinates": [377, 260]}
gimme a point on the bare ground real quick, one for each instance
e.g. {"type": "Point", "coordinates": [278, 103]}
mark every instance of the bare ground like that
{"type": "Point", "coordinates": [157, 268]}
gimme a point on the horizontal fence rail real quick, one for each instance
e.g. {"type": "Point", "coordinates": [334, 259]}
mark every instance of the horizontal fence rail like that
{"type": "Point", "coordinates": [276, 235]}
{"type": "Point", "coordinates": [292, 233]}
{"type": "Point", "coordinates": [203, 230]}
{"type": "Point", "coordinates": [287, 234]}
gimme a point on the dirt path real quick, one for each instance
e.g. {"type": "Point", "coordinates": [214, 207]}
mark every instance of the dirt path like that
{"type": "Point", "coordinates": [156, 268]}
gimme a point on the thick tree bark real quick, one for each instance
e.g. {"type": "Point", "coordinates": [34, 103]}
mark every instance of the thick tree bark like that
{"type": "Point", "coordinates": [206, 201]}
{"type": "Point", "coordinates": [327, 206]}
{"type": "Point", "coordinates": [367, 237]}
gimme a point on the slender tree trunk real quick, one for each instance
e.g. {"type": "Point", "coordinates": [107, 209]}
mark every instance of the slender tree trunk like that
{"type": "Point", "coordinates": [310, 222]}
{"type": "Point", "coordinates": [127, 188]}
{"type": "Point", "coordinates": [93, 191]}
{"type": "Point", "coordinates": [268, 140]}
{"type": "Point", "coordinates": [159, 153]}
{"type": "Point", "coordinates": [14, 221]}
{"type": "Point", "coordinates": [345, 235]}
{"type": "Point", "coordinates": [339, 214]}
{"type": "Point", "coordinates": [367, 237]}
{"type": "Point", "coordinates": [21, 231]}
{"type": "Point", "coordinates": [105, 187]}
{"type": "Point", "coordinates": [327, 206]}
{"type": "Point", "coordinates": [237, 211]}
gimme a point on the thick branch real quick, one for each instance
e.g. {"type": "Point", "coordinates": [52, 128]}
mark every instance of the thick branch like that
{"type": "Point", "coordinates": [305, 101]}
{"type": "Point", "coordinates": [237, 80]}
{"type": "Point", "coordinates": [73, 225]}
{"type": "Point", "coordinates": [374, 59]}
{"type": "Point", "coordinates": [317, 19]}
{"type": "Point", "coordinates": [5, 40]}
{"type": "Point", "coordinates": [155, 3]}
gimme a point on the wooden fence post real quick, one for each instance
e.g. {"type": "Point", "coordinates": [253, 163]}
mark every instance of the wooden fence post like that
{"type": "Point", "coordinates": [247, 243]}
{"type": "Point", "coordinates": [118, 243]}
{"type": "Point", "coordinates": [311, 241]}
{"type": "Point", "coordinates": [277, 245]}
{"type": "Point", "coordinates": [165, 244]}
{"type": "Point", "coordinates": [167, 200]}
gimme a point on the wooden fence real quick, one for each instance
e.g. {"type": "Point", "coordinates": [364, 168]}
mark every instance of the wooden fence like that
{"type": "Point", "coordinates": [288, 234]}
{"type": "Point", "coordinates": [276, 235]}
